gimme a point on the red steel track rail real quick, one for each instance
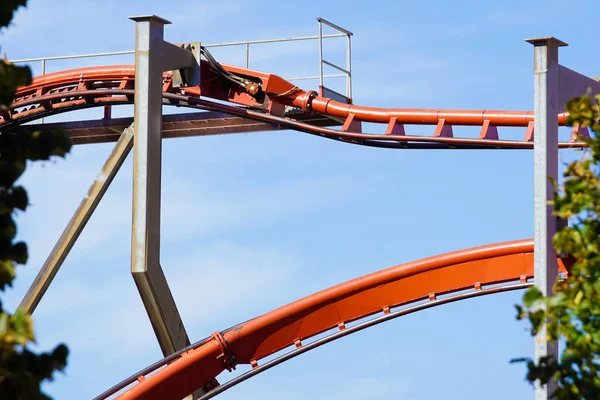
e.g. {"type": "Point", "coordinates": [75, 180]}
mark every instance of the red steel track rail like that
{"type": "Point", "coordinates": [106, 86]}
{"type": "Point", "coordinates": [476, 269]}
{"type": "Point", "coordinates": [359, 327]}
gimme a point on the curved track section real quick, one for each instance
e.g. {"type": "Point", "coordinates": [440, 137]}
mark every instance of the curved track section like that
{"type": "Point", "coordinates": [356, 328]}
{"type": "Point", "coordinates": [114, 85]}
{"type": "Point", "coordinates": [471, 271]}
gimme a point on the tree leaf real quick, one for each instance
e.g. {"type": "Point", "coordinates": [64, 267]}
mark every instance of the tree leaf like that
{"type": "Point", "coordinates": [531, 296]}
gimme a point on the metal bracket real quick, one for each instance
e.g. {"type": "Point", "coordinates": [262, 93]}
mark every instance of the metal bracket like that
{"type": "Point", "coordinates": [228, 359]}
{"type": "Point", "coordinates": [189, 76]}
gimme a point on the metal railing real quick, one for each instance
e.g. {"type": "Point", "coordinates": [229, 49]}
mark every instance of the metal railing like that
{"type": "Point", "coordinates": [246, 45]}
{"type": "Point", "coordinates": [347, 72]}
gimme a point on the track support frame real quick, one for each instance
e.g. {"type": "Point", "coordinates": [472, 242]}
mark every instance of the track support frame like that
{"type": "Point", "coordinates": [77, 223]}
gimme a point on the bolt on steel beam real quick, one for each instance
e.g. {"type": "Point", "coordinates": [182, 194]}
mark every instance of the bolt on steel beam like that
{"type": "Point", "coordinates": [545, 155]}
{"type": "Point", "coordinates": [153, 56]}
{"type": "Point", "coordinates": [78, 221]}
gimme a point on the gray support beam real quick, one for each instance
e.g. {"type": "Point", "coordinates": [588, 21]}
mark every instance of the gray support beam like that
{"type": "Point", "coordinates": [572, 84]}
{"type": "Point", "coordinates": [545, 154]}
{"type": "Point", "coordinates": [152, 57]}
{"type": "Point", "coordinates": [78, 221]}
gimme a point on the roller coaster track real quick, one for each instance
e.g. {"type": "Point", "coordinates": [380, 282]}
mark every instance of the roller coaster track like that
{"type": "Point", "coordinates": [269, 101]}
{"type": "Point", "coordinates": [427, 282]}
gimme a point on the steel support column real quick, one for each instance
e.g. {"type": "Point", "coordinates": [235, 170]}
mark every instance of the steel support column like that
{"type": "Point", "coordinates": [78, 221]}
{"type": "Point", "coordinates": [152, 57]}
{"type": "Point", "coordinates": [545, 154]}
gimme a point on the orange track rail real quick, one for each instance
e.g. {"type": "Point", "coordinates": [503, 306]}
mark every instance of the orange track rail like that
{"type": "Point", "coordinates": [248, 343]}
{"type": "Point", "coordinates": [113, 85]}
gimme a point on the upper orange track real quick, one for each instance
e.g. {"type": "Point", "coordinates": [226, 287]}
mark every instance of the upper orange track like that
{"type": "Point", "coordinates": [124, 75]}
{"type": "Point", "coordinates": [378, 292]}
{"type": "Point", "coordinates": [113, 85]}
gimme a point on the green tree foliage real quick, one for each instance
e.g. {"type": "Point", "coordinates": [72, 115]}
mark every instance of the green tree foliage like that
{"type": "Point", "coordinates": [574, 312]}
{"type": "Point", "coordinates": [21, 370]}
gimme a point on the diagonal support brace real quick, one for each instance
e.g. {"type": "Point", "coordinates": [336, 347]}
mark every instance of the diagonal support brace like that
{"type": "Point", "coordinates": [78, 221]}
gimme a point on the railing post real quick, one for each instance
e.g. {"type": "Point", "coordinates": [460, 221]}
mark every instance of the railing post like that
{"type": "Point", "coordinates": [320, 55]}
{"type": "Point", "coordinates": [349, 68]}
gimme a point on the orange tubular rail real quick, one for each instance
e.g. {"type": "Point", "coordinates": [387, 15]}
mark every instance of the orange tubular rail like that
{"type": "Point", "coordinates": [474, 269]}
{"type": "Point", "coordinates": [114, 85]}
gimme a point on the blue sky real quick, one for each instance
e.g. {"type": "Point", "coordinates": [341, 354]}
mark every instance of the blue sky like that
{"type": "Point", "coordinates": [252, 222]}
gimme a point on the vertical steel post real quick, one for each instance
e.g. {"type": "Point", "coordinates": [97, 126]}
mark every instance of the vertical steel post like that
{"type": "Point", "coordinates": [545, 153]}
{"type": "Point", "coordinates": [147, 154]}
{"type": "Point", "coordinates": [78, 221]}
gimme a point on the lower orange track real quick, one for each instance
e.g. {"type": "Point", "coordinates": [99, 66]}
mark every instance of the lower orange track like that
{"type": "Point", "coordinates": [248, 343]}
